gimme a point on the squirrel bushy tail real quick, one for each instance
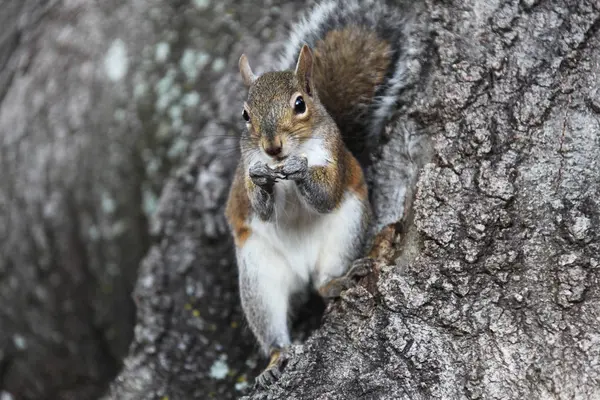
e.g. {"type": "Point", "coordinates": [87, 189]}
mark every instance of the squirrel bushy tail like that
{"type": "Point", "coordinates": [362, 63]}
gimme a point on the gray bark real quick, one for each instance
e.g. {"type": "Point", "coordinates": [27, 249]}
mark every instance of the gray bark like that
{"type": "Point", "coordinates": [71, 226]}
{"type": "Point", "coordinates": [490, 292]}
{"type": "Point", "coordinates": [495, 293]}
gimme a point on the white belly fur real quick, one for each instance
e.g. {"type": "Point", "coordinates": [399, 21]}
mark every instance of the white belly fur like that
{"type": "Point", "coordinates": [315, 245]}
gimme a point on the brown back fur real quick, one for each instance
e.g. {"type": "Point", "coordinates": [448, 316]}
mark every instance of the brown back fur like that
{"type": "Point", "coordinates": [349, 65]}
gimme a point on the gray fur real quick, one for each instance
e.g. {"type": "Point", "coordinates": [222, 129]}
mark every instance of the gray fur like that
{"type": "Point", "coordinates": [315, 193]}
{"type": "Point", "coordinates": [295, 168]}
{"type": "Point", "coordinates": [262, 198]}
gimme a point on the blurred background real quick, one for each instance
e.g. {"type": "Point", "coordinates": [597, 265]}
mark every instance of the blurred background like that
{"type": "Point", "coordinates": [101, 103]}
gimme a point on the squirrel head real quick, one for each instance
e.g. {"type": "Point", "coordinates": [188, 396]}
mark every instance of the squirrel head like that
{"type": "Point", "coordinates": [282, 107]}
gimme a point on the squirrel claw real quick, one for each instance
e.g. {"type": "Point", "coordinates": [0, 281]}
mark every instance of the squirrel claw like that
{"type": "Point", "coordinates": [263, 175]}
{"type": "Point", "coordinates": [360, 267]}
{"type": "Point", "coordinates": [295, 168]}
{"type": "Point", "coordinates": [274, 370]}
{"type": "Point", "coordinates": [266, 378]}
{"type": "Point", "coordinates": [336, 286]}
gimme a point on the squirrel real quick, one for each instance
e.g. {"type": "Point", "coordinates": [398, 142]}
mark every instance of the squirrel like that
{"type": "Point", "coordinates": [298, 207]}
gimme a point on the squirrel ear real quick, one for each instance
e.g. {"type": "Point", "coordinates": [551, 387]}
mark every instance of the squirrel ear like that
{"type": "Point", "coordinates": [247, 75]}
{"type": "Point", "coordinates": [304, 69]}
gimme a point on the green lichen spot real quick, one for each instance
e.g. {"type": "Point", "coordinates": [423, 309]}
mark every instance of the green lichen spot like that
{"type": "Point", "coordinates": [191, 99]}
{"type": "Point", "coordinates": [93, 233]}
{"type": "Point", "coordinates": [140, 90]}
{"type": "Point", "coordinates": [149, 202]}
{"type": "Point", "coordinates": [192, 62]}
{"type": "Point", "coordinates": [107, 203]}
{"type": "Point", "coordinates": [218, 65]}
{"type": "Point", "coordinates": [152, 167]}
{"type": "Point", "coordinates": [166, 90]}
{"type": "Point", "coordinates": [242, 383]}
{"type": "Point", "coordinates": [219, 369]}
{"type": "Point", "coordinates": [177, 149]}
{"type": "Point", "coordinates": [188, 64]}
{"type": "Point", "coordinates": [175, 112]}
{"type": "Point", "coordinates": [201, 4]}
{"type": "Point", "coordinates": [163, 85]}
{"type": "Point", "coordinates": [116, 61]}
{"type": "Point", "coordinates": [162, 51]}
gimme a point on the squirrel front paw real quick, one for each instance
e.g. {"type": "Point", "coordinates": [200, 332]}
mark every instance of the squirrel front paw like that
{"type": "Point", "coordinates": [273, 371]}
{"type": "Point", "coordinates": [263, 175]}
{"type": "Point", "coordinates": [295, 168]}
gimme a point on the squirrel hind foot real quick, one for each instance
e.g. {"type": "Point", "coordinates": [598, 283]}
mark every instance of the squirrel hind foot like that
{"type": "Point", "coordinates": [359, 268]}
{"type": "Point", "coordinates": [274, 369]}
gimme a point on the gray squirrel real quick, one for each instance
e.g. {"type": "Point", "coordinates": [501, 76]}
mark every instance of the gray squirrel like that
{"type": "Point", "coordinates": [299, 206]}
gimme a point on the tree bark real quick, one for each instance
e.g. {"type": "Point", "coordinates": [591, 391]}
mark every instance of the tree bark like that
{"type": "Point", "coordinates": [495, 292]}
{"type": "Point", "coordinates": [71, 226]}
{"type": "Point", "coordinates": [491, 291]}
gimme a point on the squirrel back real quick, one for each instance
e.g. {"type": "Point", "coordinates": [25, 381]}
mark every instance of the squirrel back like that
{"type": "Point", "coordinates": [362, 51]}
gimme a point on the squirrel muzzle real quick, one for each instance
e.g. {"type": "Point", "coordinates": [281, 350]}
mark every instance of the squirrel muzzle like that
{"type": "Point", "coordinates": [273, 147]}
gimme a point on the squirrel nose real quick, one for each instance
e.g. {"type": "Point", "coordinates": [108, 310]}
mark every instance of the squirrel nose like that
{"type": "Point", "coordinates": [273, 150]}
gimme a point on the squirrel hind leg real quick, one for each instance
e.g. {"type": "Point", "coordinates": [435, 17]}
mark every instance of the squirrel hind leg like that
{"type": "Point", "coordinates": [266, 285]}
{"type": "Point", "coordinates": [336, 269]}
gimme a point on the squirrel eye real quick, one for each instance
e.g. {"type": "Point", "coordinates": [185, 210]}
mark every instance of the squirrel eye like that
{"type": "Point", "coordinates": [245, 116]}
{"type": "Point", "coordinates": [299, 105]}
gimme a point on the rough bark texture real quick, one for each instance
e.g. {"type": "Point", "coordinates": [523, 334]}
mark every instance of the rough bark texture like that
{"type": "Point", "coordinates": [494, 290]}
{"type": "Point", "coordinates": [490, 291]}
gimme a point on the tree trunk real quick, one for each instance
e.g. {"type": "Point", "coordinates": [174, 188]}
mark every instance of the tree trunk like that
{"type": "Point", "coordinates": [71, 224]}
{"type": "Point", "coordinates": [491, 291]}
